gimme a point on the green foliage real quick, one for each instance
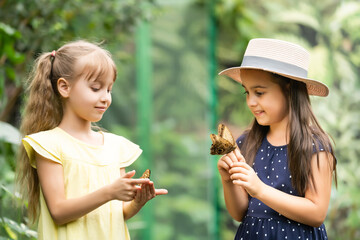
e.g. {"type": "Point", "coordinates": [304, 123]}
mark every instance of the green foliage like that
{"type": "Point", "coordinates": [179, 131]}
{"type": "Point", "coordinates": [11, 225]}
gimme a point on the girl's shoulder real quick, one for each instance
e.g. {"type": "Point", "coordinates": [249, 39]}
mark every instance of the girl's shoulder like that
{"type": "Point", "coordinates": [240, 140]}
{"type": "Point", "coordinates": [321, 143]}
{"type": "Point", "coordinates": [46, 143]}
{"type": "Point", "coordinates": [126, 150]}
{"type": "Point", "coordinates": [47, 135]}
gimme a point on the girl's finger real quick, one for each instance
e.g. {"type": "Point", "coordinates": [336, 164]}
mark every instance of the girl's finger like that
{"type": "Point", "coordinates": [152, 189]}
{"type": "Point", "coordinates": [241, 164]}
{"type": "Point", "coordinates": [161, 191]}
{"type": "Point", "coordinates": [138, 181]}
{"type": "Point", "coordinates": [234, 170]}
{"type": "Point", "coordinates": [148, 191]}
{"type": "Point", "coordinates": [238, 155]}
{"type": "Point", "coordinates": [239, 183]}
{"type": "Point", "coordinates": [232, 157]}
{"type": "Point", "coordinates": [239, 176]}
{"type": "Point", "coordinates": [223, 165]}
{"type": "Point", "coordinates": [227, 160]}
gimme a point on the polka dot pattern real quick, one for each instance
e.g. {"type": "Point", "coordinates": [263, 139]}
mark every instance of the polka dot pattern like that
{"type": "Point", "coordinates": [262, 222]}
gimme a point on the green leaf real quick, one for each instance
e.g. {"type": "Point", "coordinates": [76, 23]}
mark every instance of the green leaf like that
{"type": "Point", "coordinates": [9, 134]}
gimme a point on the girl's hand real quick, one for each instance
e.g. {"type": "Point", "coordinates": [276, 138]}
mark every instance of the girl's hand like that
{"type": "Point", "coordinates": [147, 192]}
{"type": "Point", "coordinates": [143, 195]}
{"type": "Point", "coordinates": [226, 161]}
{"type": "Point", "coordinates": [125, 188]}
{"type": "Point", "coordinates": [244, 175]}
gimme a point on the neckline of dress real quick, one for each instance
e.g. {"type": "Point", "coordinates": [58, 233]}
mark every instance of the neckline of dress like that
{"type": "Point", "coordinates": [68, 135]}
{"type": "Point", "coordinates": [280, 146]}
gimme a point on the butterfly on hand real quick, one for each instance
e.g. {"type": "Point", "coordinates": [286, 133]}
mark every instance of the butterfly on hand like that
{"type": "Point", "coordinates": [146, 174]}
{"type": "Point", "coordinates": [222, 143]}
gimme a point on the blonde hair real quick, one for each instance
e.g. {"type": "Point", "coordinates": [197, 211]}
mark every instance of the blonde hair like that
{"type": "Point", "coordinates": [43, 109]}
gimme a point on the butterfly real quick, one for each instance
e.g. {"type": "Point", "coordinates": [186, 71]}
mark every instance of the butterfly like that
{"type": "Point", "coordinates": [146, 174]}
{"type": "Point", "coordinates": [222, 143]}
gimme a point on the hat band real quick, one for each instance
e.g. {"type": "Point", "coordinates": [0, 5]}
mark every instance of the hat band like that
{"type": "Point", "coordinates": [273, 66]}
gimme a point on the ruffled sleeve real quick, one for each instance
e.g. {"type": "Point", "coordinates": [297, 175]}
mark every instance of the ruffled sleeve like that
{"type": "Point", "coordinates": [43, 144]}
{"type": "Point", "coordinates": [128, 151]}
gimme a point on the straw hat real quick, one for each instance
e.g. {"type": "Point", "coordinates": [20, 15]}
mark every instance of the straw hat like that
{"type": "Point", "coordinates": [280, 57]}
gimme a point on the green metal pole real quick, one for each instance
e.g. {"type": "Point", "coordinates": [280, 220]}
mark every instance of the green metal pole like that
{"type": "Point", "coordinates": [215, 223]}
{"type": "Point", "coordinates": [144, 111]}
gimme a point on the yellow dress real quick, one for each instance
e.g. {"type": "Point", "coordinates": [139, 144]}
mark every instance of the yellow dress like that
{"type": "Point", "coordinates": [86, 169]}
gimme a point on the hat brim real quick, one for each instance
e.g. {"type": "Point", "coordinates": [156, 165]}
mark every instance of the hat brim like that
{"type": "Point", "coordinates": [314, 87]}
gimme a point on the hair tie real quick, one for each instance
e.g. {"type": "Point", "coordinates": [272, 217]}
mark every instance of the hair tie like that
{"type": "Point", "coordinates": [52, 58]}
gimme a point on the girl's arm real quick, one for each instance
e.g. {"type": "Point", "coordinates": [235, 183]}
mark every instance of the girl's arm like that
{"type": "Point", "coordinates": [236, 198]}
{"type": "Point", "coordinates": [310, 210]}
{"type": "Point", "coordinates": [143, 195]}
{"type": "Point", "coordinates": [64, 210]}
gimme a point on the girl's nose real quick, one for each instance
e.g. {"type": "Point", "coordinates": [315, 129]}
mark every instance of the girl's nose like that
{"type": "Point", "coordinates": [251, 101]}
{"type": "Point", "coordinates": [106, 97]}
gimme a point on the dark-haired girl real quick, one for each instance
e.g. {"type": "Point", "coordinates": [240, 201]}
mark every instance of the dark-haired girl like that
{"type": "Point", "coordinates": [278, 183]}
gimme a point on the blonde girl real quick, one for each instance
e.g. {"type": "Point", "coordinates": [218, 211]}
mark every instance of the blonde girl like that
{"type": "Point", "coordinates": [278, 184]}
{"type": "Point", "coordinates": [72, 176]}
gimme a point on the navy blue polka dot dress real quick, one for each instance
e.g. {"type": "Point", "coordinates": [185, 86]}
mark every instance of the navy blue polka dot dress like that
{"type": "Point", "coordinates": [262, 222]}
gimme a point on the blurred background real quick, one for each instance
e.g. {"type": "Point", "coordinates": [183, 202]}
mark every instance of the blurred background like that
{"type": "Point", "coordinates": [168, 97]}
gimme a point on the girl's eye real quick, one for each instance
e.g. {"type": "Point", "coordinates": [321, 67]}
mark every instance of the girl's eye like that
{"type": "Point", "coordinates": [259, 93]}
{"type": "Point", "coordinates": [109, 91]}
{"type": "Point", "coordinates": [246, 92]}
{"type": "Point", "coordinates": [95, 89]}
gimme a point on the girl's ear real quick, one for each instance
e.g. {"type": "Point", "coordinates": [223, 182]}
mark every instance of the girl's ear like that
{"type": "Point", "coordinates": [63, 87]}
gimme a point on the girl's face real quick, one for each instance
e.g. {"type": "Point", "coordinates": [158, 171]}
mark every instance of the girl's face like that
{"type": "Point", "coordinates": [264, 97]}
{"type": "Point", "coordinates": [89, 99]}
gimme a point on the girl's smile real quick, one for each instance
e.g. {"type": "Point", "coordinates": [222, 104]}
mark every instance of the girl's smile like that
{"type": "Point", "coordinates": [101, 109]}
{"type": "Point", "coordinates": [258, 113]}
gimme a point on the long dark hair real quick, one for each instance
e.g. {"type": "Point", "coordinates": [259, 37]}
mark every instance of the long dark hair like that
{"type": "Point", "coordinates": [304, 132]}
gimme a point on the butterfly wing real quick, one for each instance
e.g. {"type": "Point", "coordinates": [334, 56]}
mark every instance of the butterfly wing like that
{"type": "Point", "coordinates": [226, 134]}
{"type": "Point", "coordinates": [223, 143]}
{"type": "Point", "coordinates": [146, 174]}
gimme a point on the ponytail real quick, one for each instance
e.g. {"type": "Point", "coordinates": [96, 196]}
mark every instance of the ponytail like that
{"type": "Point", "coordinates": [43, 111]}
